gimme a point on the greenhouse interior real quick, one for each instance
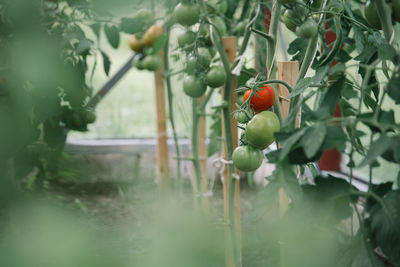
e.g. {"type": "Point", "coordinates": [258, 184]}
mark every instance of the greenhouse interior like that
{"type": "Point", "coordinates": [200, 133]}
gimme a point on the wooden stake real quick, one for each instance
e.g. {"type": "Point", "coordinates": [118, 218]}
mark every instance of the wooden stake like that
{"type": "Point", "coordinates": [202, 147]}
{"type": "Point", "coordinates": [288, 71]}
{"type": "Point", "coordinates": [162, 146]}
{"type": "Point", "coordinates": [229, 44]}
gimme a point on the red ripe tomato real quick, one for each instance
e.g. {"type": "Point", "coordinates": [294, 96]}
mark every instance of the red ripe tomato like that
{"type": "Point", "coordinates": [264, 99]}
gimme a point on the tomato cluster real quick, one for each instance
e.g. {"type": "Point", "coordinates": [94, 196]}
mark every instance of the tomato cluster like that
{"type": "Point", "coordinates": [297, 18]}
{"type": "Point", "coordinates": [197, 46]}
{"type": "Point", "coordinates": [258, 135]}
{"type": "Point", "coordinates": [138, 42]}
{"type": "Point", "coordinates": [77, 118]}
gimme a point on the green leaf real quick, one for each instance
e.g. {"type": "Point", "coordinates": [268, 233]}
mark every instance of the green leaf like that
{"type": "Point", "coordinates": [335, 138]}
{"type": "Point", "coordinates": [300, 87]}
{"type": "Point", "coordinates": [106, 63]}
{"type": "Point", "coordinates": [385, 227]}
{"type": "Point", "coordinates": [131, 25]}
{"type": "Point", "coordinates": [332, 96]}
{"type": "Point", "coordinates": [342, 56]}
{"type": "Point", "coordinates": [357, 254]}
{"type": "Point", "coordinates": [286, 177]}
{"type": "Point", "coordinates": [159, 44]}
{"type": "Point", "coordinates": [112, 35]}
{"type": "Point", "coordinates": [245, 75]}
{"type": "Point", "coordinates": [266, 201]}
{"type": "Point", "coordinates": [313, 139]}
{"type": "Point", "coordinates": [377, 148]}
{"type": "Point", "coordinates": [380, 190]}
{"type": "Point", "coordinates": [289, 142]}
{"type": "Point", "coordinates": [348, 91]}
{"type": "Point", "coordinates": [298, 48]}
{"type": "Point", "coordinates": [386, 52]}
{"type": "Point", "coordinates": [393, 88]}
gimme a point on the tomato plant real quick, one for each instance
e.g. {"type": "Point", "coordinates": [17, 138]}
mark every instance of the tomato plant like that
{"type": "Point", "coordinates": [262, 99]}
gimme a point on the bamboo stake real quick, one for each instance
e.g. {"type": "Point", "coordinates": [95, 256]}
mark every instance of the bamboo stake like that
{"type": "Point", "coordinates": [229, 44]}
{"type": "Point", "coordinates": [162, 146]}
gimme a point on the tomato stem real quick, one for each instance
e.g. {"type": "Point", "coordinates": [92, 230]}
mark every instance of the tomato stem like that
{"type": "Point", "coordinates": [171, 112]}
{"type": "Point", "coordinates": [271, 52]}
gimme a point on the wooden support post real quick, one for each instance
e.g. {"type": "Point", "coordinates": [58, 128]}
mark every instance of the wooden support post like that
{"type": "Point", "coordinates": [202, 146]}
{"type": "Point", "coordinates": [229, 44]}
{"type": "Point", "coordinates": [288, 71]}
{"type": "Point", "coordinates": [162, 146]}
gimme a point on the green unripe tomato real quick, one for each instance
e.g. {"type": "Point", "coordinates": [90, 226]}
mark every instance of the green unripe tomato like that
{"type": "Point", "coordinates": [216, 76]}
{"type": "Point", "coordinates": [217, 6]}
{"type": "Point", "coordinates": [241, 116]}
{"type": "Point", "coordinates": [371, 15]}
{"type": "Point", "coordinates": [192, 64]}
{"type": "Point", "coordinates": [144, 16]}
{"type": "Point", "coordinates": [220, 24]}
{"type": "Point", "coordinates": [213, 51]}
{"type": "Point", "coordinates": [240, 27]}
{"type": "Point", "coordinates": [289, 19]}
{"type": "Point", "coordinates": [88, 116]}
{"type": "Point", "coordinates": [261, 128]}
{"type": "Point", "coordinates": [138, 64]}
{"type": "Point", "coordinates": [308, 29]}
{"type": "Point", "coordinates": [247, 158]}
{"type": "Point", "coordinates": [187, 14]}
{"type": "Point", "coordinates": [316, 4]}
{"type": "Point", "coordinates": [186, 38]}
{"type": "Point", "coordinates": [193, 86]}
{"type": "Point", "coordinates": [151, 62]}
{"type": "Point", "coordinates": [204, 57]}
{"type": "Point", "coordinates": [198, 62]}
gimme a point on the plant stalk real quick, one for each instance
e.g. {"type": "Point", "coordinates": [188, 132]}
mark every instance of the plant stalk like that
{"type": "Point", "coordinates": [171, 115]}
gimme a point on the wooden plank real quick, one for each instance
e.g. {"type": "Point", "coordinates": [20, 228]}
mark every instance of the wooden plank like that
{"type": "Point", "coordinates": [161, 118]}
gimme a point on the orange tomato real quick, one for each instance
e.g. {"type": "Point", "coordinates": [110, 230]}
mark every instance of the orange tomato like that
{"type": "Point", "coordinates": [151, 35]}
